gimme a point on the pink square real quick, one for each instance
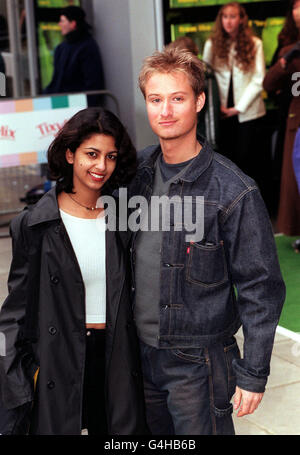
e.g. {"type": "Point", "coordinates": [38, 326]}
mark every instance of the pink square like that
{"type": "Point", "coordinates": [9, 160]}
{"type": "Point", "coordinates": [7, 107]}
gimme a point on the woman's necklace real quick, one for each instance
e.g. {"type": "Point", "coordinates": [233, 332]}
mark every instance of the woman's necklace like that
{"type": "Point", "coordinates": [85, 206]}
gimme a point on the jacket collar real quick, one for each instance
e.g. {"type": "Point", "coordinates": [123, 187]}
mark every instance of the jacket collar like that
{"type": "Point", "coordinates": [201, 162]}
{"type": "Point", "coordinates": [45, 210]}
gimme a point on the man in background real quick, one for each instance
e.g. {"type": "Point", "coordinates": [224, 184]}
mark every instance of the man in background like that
{"type": "Point", "coordinates": [77, 60]}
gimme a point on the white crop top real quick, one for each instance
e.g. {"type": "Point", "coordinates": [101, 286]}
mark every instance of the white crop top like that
{"type": "Point", "coordinates": [88, 240]}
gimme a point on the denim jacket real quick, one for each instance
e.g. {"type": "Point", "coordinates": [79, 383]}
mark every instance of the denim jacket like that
{"type": "Point", "coordinates": [231, 277]}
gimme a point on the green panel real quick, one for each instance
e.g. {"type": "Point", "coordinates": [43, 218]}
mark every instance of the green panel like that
{"type": "Point", "coordinates": [193, 3]}
{"type": "Point", "coordinates": [57, 3]}
{"type": "Point", "coordinates": [59, 102]}
{"type": "Point", "coordinates": [290, 268]}
{"type": "Point", "coordinates": [272, 28]}
{"type": "Point", "coordinates": [198, 32]}
{"type": "Point", "coordinates": [49, 36]}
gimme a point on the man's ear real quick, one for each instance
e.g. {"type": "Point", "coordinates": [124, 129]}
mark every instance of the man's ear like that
{"type": "Point", "coordinates": [69, 156]}
{"type": "Point", "coordinates": [200, 101]}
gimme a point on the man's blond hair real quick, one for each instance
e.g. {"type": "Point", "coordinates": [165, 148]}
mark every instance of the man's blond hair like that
{"type": "Point", "coordinates": [172, 60]}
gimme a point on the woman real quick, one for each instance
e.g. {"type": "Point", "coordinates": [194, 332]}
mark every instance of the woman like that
{"type": "Point", "coordinates": [279, 78]}
{"type": "Point", "coordinates": [68, 318]}
{"type": "Point", "coordinates": [238, 61]}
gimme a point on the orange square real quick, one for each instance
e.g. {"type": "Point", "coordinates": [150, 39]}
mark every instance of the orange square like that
{"type": "Point", "coordinates": [24, 105]}
{"type": "Point", "coordinates": [28, 158]}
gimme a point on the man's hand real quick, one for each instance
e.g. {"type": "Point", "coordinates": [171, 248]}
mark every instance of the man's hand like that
{"type": "Point", "coordinates": [246, 401]}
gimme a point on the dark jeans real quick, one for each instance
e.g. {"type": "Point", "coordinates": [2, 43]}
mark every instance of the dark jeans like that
{"type": "Point", "coordinates": [93, 414]}
{"type": "Point", "coordinates": [188, 391]}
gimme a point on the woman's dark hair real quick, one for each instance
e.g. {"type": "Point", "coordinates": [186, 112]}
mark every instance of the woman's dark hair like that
{"type": "Point", "coordinates": [290, 33]}
{"type": "Point", "coordinates": [83, 126]}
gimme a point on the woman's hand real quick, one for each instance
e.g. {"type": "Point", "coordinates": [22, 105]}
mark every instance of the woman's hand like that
{"type": "Point", "coordinates": [227, 112]}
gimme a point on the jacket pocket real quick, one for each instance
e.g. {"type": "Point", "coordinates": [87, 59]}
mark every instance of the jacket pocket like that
{"type": "Point", "coordinates": [206, 265]}
{"type": "Point", "coordinates": [194, 355]}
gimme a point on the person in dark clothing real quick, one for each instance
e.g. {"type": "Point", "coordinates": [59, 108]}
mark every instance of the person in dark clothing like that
{"type": "Point", "coordinates": [279, 80]}
{"type": "Point", "coordinates": [77, 60]}
{"type": "Point", "coordinates": [4, 41]}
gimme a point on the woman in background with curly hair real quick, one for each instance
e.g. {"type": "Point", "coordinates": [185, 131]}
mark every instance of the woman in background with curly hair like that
{"type": "Point", "coordinates": [238, 61]}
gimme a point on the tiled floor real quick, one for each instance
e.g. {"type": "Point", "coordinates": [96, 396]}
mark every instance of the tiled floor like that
{"type": "Point", "coordinates": [279, 411]}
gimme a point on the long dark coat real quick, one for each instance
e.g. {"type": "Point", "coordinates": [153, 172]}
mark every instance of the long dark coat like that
{"type": "Point", "coordinates": [43, 320]}
{"type": "Point", "coordinates": [278, 78]}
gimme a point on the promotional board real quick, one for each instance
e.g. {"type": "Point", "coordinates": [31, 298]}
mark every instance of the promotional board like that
{"type": "Point", "coordinates": [57, 3]}
{"type": "Point", "coordinates": [193, 3]}
{"type": "Point", "coordinates": [199, 33]}
{"type": "Point", "coordinates": [28, 126]}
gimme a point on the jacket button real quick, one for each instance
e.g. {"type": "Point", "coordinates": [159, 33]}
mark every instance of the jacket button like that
{"type": "Point", "coordinates": [50, 385]}
{"type": "Point", "coordinates": [134, 374]}
{"type": "Point", "coordinates": [167, 265]}
{"type": "Point", "coordinates": [52, 330]}
{"type": "Point", "coordinates": [56, 229]}
{"type": "Point", "coordinates": [54, 279]}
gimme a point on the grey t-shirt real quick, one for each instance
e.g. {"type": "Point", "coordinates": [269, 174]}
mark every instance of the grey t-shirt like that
{"type": "Point", "coordinates": [171, 170]}
{"type": "Point", "coordinates": [148, 257]}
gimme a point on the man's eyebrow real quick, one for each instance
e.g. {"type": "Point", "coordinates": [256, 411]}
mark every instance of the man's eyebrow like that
{"type": "Point", "coordinates": [173, 93]}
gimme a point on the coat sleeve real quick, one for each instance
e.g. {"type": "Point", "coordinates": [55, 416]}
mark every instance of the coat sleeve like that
{"type": "Point", "coordinates": [207, 52]}
{"type": "Point", "coordinates": [17, 365]}
{"type": "Point", "coordinates": [255, 273]}
{"type": "Point", "coordinates": [277, 77]}
{"type": "Point", "coordinates": [255, 86]}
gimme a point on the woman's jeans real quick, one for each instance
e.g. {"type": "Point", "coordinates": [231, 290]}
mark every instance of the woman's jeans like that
{"type": "Point", "coordinates": [188, 391]}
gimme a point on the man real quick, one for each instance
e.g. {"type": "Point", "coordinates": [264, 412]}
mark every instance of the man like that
{"type": "Point", "coordinates": [191, 296]}
{"type": "Point", "coordinates": [77, 60]}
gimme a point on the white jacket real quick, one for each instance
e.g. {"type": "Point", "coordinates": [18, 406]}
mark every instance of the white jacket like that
{"type": "Point", "coordinates": [247, 86]}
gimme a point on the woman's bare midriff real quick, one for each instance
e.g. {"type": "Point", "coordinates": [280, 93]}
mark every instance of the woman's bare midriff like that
{"type": "Point", "coordinates": [95, 326]}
